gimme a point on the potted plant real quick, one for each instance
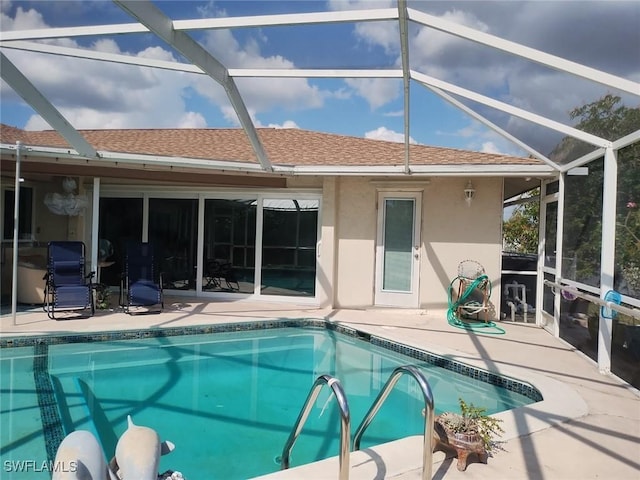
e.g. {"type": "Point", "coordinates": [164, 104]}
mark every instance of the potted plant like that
{"type": "Point", "coordinates": [102, 294]}
{"type": "Point", "coordinates": [467, 432]}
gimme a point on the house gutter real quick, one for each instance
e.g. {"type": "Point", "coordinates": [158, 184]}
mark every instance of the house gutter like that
{"type": "Point", "coordinates": [156, 162]}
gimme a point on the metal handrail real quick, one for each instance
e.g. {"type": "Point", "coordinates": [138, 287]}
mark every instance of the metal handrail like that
{"type": "Point", "coordinates": [429, 415]}
{"type": "Point", "coordinates": [345, 423]}
{"type": "Point", "coordinates": [632, 312]}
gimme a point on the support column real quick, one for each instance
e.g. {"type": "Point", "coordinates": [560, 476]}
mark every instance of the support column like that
{"type": "Point", "coordinates": [607, 253]}
{"type": "Point", "coordinates": [326, 250]}
{"type": "Point", "coordinates": [16, 232]}
{"type": "Point", "coordinates": [95, 219]}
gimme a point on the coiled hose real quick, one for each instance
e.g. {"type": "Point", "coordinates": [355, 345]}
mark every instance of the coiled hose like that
{"type": "Point", "coordinates": [490, 328]}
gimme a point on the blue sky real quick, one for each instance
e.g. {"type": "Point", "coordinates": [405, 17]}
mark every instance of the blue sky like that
{"type": "Point", "coordinates": [92, 94]}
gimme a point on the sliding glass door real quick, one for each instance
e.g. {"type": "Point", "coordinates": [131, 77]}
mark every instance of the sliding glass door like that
{"type": "Point", "coordinates": [173, 232]}
{"type": "Point", "coordinates": [289, 238]}
{"type": "Point", "coordinates": [121, 221]}
{"type": "Point", "coordinates": [229, 254]}
{"type": "Point", "coordinates": [252, 245]}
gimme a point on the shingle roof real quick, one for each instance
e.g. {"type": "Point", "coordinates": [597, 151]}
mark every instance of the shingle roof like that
{"type": "Point", "coordinates": [293, 147]}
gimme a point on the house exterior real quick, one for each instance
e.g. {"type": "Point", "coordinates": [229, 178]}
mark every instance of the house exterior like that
{"type": "Point", "coordinates": [330, 220]}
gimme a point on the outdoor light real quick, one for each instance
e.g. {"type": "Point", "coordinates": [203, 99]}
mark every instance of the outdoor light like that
{"type": "Point", "coordinates": [469, 193]}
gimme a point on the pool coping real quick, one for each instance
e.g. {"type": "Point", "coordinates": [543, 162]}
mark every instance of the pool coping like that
{"type": "Point", "coordinates": [421, 354]}
{"type": "Point", "coordinates": [559, 402]}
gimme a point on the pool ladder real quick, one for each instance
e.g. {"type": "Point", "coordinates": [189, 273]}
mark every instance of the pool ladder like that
{"type": "Point", "coordinates": [429, 417]}
{"type": "Point", "coordinates": [345, 422]}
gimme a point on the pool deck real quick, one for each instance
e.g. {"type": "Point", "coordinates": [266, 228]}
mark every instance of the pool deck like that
{"type": "Point", "coordinates": [588, 425]}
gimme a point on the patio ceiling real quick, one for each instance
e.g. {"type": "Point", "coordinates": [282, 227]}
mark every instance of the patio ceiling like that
{"type": "Point", "coordinates": [194, 56]}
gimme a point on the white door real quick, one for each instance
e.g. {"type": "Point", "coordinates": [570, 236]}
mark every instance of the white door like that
{"type": "Point", "coordinates": [398, 249]}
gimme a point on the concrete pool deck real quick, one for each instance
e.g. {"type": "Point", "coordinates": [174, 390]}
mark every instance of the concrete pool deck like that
{"type": "Point", "coordinates": [588, 426]}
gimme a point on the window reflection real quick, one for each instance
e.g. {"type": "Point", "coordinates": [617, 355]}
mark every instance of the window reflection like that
{"type": "Point", "coordinates": [229, 245]}
{"type": "Point", "coordinates": [289, 237]}
{"type": "Point", "coordinates": [120, 223]}
{"type": "Point", "coordinates": [25, 218]}
{"type": "Point", "coordinates": [550, 233]}
{"type": "Point", "coordinates": [173, 232]}
{"type": "Point", "coordinates": [582, 239]}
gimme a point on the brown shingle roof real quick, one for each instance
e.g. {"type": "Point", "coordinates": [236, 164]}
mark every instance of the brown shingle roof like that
{"type": "Point", "coordinates": [291, 147]}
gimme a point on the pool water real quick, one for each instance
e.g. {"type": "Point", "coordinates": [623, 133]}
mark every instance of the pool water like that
{"type": "Point", "coordinates": [228, 401]}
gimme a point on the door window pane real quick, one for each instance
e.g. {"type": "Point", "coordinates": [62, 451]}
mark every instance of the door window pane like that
{"type": "Point", "coordinates": [550, 235]}
{"type": "Point", "coordinates": [229, 245]}
{"type": "Point", "coordinates": [289, 238]}
{"type": "Point", "coordinates": [398, 244]}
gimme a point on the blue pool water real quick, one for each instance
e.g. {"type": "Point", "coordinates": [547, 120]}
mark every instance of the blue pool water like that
{"type": "Point", "coordinates": [227, 400]}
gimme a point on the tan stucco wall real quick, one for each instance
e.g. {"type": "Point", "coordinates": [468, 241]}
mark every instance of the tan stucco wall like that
{"type": "Point", "coordinates": [356, 220]}
{"type": "Point", "coordinates": [49, 226]}
{"type": "Point", "coordinates": [451, 232]}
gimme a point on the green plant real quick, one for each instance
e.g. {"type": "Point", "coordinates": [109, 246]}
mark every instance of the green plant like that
{"type": "Point", "coordinates": [473, 421]}
{"type": "Point", "coordinates": [102, 294]}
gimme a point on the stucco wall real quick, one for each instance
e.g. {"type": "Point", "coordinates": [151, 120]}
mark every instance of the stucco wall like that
{"type": "Point", "coordinates": [48, 225]}
{"type": "Point", "coordinates": [355, 243]}
{"type": "Point", "coordinates": [451, 232]}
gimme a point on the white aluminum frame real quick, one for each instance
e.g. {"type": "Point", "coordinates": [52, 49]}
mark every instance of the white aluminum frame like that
{"type": "Point", "coordinates": [175, 33]}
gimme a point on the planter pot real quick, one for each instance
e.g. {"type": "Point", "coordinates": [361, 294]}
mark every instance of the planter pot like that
{"type": "Point", "coordinates": [465, 446]}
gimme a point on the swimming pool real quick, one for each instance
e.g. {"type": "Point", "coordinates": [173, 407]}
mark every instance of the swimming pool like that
{"type": "Point", "coordinates": [226, 395]}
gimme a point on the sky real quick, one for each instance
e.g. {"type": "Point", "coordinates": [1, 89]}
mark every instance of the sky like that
{"type": "Point", "coordinates": [98, 95]}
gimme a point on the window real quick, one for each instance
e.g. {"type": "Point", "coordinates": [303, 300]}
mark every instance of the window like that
{"type": "Point", "coordinates": [25, 219]}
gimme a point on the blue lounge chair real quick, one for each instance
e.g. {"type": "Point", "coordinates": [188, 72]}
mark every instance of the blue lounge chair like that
{"type": "Point", "coordinates": [140, 286]}
{"type": "Point", "coordinates": [67, 286]}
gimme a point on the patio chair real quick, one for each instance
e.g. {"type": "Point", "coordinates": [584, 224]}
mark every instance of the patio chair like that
{"type": "Point", "coordinates": [140, 286]}
{"type": "Point", "coordinates": [67, 286]}
{"type": "Point", "coordinates": [220, 270]}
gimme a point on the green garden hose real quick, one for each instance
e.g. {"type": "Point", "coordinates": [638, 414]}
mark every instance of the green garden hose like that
{"type": "Point", "coordinates": [490, 328]}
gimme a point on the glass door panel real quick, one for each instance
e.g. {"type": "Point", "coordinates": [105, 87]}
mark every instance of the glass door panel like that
{"type": "Point", "coordinates": [173, 232]}
{"type": "Point", "coordinates": [289, 238]}
{"type": "Point", "coordinates": [550, 235]}
{"type": "Point", "coordinates": [229, 245]}
{"type": "Point", "coordinates": [398, 242]}
{"type": "Point", "coordinates": [120, 222]}
{"type": "Point", "coordinates": [398, 250]}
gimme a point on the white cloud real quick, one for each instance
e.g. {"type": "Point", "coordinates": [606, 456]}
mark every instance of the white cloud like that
{"type": "Point", "coordinates": [476, 137]}
{"type": "Point", "coordinates": [104, 95]}
{"type": "Point", "coordinates": [359, 4]}
{"type": "Point", "coordinates": [262, 94]}
{"type": "Point", "coordinates": [490, 147]}
{"type": "Point", "coordinates": [383, 133]}
{"type": "Point", "coordinates": [285, 124]}
{"type": "Point", "coordinates": [377, 91]}
{"type": "Point", "coordinates": [192, 120]}
{"type": "Point", "coordinates": [109, 95]}
{"type": "Point", "coordinates": [23, 20]}
{"type": "Point", "coordinates": [383, 34]}
{"type": "Point", "coordinates": [603, 35]}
